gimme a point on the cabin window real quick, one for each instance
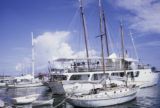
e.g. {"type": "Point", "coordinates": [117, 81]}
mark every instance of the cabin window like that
{"type": "Point", "coordinates": [58, 77]}
{"type": "Point", "coordinates": [80, 77]}
{"type": "Point", "coordinates": [120, 74]}
{"type": "Point", "coordinates": [136, 74]}
{"type": "Point", "coordinates": [99, 76]}
{"type": "Point", "coordinates": [1, 81]}
{"type": "Point", "coordinates": [130, 74]}
{"type": "Point", "coordinates": [24, 80]}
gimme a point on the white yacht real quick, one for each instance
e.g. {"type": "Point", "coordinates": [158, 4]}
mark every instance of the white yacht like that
{"type": "Point", "coordinates": [76, 74]}
{"type": "Point", "coordinates": [27, 80]}
{"type": "Point", "coordinates": [24, 81]}
{"type": "Point", "coordinates": [66, 74]}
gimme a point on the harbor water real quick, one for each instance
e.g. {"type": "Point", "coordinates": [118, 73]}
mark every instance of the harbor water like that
{"type": "Point", "coordinates": [146, 98]}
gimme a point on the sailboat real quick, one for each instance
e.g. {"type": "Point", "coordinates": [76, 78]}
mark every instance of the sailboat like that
{"type": "Point", "coordinates": [100, 98]}
{"type": "Point", "coordinates": [105, 96]}
{"type": "Point", "coordinates": [27, 80]}
{"type": "Point", "coordinates": [78, 72]}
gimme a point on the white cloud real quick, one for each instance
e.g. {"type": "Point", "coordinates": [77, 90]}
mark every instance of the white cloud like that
{"type": "Point", "coordinates": [53, 45]}
{"type": "Point", "coordinates": [92, 53]}
{"type": "Point", "coordinates": [145, 14]}
{"type": "Point", "coordinates": [50, 46]}
{"type": "Point", "coordinates": [24, 65]}
{"type": "Point", "coordinates": [19, 67]}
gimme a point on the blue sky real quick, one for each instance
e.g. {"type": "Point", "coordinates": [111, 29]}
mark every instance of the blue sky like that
{"type": "Point", "coordinates": [56, 25]}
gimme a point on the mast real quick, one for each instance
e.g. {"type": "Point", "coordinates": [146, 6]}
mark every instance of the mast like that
{"type": "Point", "coordinates": [85, 31]}
{"type": "Point", "coordinates": [122, 41]}
{"type": "Point", "coordinates": [33, 56]}
{"type": "Point", "coordinates": [101, 36]}
{"type": "Point", "coordinates": [123, 51]}
{"type": "Point", "coordinates": [105, 28]}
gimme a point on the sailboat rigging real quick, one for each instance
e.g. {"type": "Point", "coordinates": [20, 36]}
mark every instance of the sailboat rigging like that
{"type": "Point", "coordinates": [85, 31]}
{"type": "Point", "coordinates": [76, 74]}
{"type": "Point", "coordinates": [101, 36]}
{"type": "Point", "coordinates": [123, 52]}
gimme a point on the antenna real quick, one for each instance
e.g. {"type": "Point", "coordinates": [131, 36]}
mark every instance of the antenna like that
{"type": "Point", "coordinates": [33, 55]}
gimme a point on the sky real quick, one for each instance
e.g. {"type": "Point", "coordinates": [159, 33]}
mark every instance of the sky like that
{"type": "Point", "coordinates": [57, 29]}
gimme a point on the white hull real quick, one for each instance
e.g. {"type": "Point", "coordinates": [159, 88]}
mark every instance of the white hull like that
{"type": "Point", "coordinates": [102, 100]}
{"type": "Point", "coordinates": [25, 99]}
{"type": "Point", "coordinates": [146, 78]}
{"type": "Point", "coordinates": [42, 102]}
{"type": "Point", "coordinates": [2, 84]}
{"type": "Point", "coordinates": [24, 85]}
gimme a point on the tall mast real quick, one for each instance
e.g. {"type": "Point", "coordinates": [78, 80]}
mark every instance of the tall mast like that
{"type": "Point", "coordinates": [101, 36]}
{"type": "Point", "coordinates": [84, 30]}
{"type": "Point", "coordinates": [122, 41]}
{"type": "Point", "coordinates": [33, 55]}
{"type": "Point", "coordinates": [105, 28]}
{"type": "Point", "coordinates": [123, 53]}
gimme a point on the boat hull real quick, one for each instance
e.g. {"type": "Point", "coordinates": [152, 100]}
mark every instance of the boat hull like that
{"type": "Point", "coordinates": [2, 85]}
{"type": "Point", "coordinates": [25, 85]}
{"type": "Point", "coordinates": [42, 102]}
{"type": "Point", "coordinates": [101, 102]}
{"type": "Point", "coordinates": [146, 78]}
{"type": "Point", "coordinates": [25, 99]}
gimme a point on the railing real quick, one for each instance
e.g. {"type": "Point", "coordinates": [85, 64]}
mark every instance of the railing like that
{"type": "Point", "coordinates": [95, 68]}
